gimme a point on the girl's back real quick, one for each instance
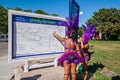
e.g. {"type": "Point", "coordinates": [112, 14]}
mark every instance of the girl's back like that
{"type": "Point", "coordinates": [70, 45]}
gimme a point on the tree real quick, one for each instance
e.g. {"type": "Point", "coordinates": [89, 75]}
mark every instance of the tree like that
{"type": "Point", "coordinates": [107, 21]}
{"type": "Point", "coordinates": [28, 10]}
{"type": "Point", "coordinates": [80, 31]}
{"type": "Point", "coordinates": [4, 17]}
{"type": "Point", "coordinates": [54, 14]}
{"type": "Point", "coordinates": [3, 20]}
{"type": "Point", "coordinates": [17, 9]}
{"type": "Point", "coordinates": [38, 11]}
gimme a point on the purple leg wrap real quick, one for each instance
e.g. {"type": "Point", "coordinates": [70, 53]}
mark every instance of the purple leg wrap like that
{"type": "Point", "coordinates": [87, 58]}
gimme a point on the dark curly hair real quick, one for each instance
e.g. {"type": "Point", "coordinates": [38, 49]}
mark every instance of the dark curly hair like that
{"type": "Point", "coordinates": [74, 36]}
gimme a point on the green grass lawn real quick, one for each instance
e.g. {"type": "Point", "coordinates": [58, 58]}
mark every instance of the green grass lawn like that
{"type": "Point", "coordinates": [106, 54]}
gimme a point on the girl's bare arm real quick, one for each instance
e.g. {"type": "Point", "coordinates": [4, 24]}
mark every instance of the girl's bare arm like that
{"type": "Point", "coordinates": [59, 37]}
{"type": "Point", "coordinates": [83, 45]}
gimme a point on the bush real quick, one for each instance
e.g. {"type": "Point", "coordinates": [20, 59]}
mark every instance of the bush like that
{"type": "Point", "coordinates": [114, 37]}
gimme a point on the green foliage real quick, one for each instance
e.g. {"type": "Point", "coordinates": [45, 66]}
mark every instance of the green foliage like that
{"type": "Point", "coordinates": [106, 20]}
{"type": "Point", "coordinates": [18, 9]}
{"type": "Point", "coordinates": [54, 14]}
{"type": "Point", "coordinates": [3, 20]}
{"type": "Point", "coordinates": [4, 17]}
{"type": "Point", "coordinates": [38, 11]}
{"type": "Point", "coordinates": [80, 31]}
{"type": "Point", "coordinates": [28, 10]}
{"type": "Point", "coordinates": [107, 55]}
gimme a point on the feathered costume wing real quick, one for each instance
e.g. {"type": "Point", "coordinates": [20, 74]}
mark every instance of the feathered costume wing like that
{"type": "Point", "coordinates": [88, 32]}
{"type": "Point", "coordinates": [70, 24]}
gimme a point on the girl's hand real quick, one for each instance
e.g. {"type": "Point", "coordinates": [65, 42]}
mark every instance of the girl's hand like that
{"type": "Point", "coordinates": [80, 38]}
{"type": "Point", "coordinates": [53, 32]}
{"type": "Point", "coordinates": [58, 37]}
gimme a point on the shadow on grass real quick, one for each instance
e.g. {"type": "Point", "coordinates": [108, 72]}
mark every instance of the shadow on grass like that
{"type": "Point", "coordinates": [93, 68]}
{"type": "Point", "coordinates": [92, 52]}
{"type": "Point", "coordinates": [116, 78]}
{"type": "Point", "coordinates": [32, 77]}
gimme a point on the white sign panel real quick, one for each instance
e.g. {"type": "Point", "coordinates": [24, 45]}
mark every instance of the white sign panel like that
{"type": "Point", "coordinates": [30, 35]}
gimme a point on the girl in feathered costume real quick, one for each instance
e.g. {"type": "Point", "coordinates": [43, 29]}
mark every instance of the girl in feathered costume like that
{"type": "Point", "coordinates": [84, 46]}
{"type": "Point", "coordinates": [70, 58]}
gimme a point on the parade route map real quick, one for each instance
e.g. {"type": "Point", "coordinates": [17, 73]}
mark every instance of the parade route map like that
{"type": "Point", "coordinates": [30, 36]}
{"type": "Point", "coordinates": [37, 38]}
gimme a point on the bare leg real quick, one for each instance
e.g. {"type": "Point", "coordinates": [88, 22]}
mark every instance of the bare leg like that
{"type": "Point", "coordinates": [66, 70]}
{"type": "Point", "coordinates": [73, 71]}
{"type": "Point", "coordinates": [85, 70]}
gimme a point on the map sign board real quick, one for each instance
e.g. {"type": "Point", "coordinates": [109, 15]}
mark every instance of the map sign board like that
{"type": "Point", "coordinates": [30, 35]}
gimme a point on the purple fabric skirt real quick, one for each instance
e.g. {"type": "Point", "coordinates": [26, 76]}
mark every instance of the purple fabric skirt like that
{"type": "Point", "coordinates": [87, 58]}
{"type": "Point", "coordinates": [65, 55]}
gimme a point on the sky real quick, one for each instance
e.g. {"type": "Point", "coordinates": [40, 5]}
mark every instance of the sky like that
{"type": "Point", "coordinates": [61, 7]}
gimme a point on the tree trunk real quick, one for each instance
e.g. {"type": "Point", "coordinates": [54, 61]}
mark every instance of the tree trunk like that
{"type": "Point", "coordinates": [106, 36]}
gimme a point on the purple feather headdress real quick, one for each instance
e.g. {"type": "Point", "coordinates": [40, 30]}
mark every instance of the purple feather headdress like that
{"type": "Point", "coordinates": [70, 24]}
{"type": "Point", "coordinates": [88, 32]}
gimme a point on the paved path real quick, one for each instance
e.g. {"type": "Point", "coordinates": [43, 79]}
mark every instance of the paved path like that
{"type": "Point", "coordinates": [6, 69]}
{"type": "Point", "coordinates": [48, 73]}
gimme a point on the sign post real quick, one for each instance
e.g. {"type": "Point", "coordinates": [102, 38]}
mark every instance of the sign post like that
{"type": "Point", "coordinates": [73, 8]}
{"type": "Point", "coordinates": [30, 37]}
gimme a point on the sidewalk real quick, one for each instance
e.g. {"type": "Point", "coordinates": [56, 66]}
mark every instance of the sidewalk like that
{"type": "Point", "coordinates": [6, 69]}
{"type": "Point", "coordinates": [46, 73]}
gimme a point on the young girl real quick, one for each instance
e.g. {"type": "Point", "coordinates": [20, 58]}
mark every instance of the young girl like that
{"type": "Point", "coordinates": [84, 46]}
{"type": "Point", "coordinates": [86, 56]}
{"type": "Point", "coordinates": [70, 58]}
